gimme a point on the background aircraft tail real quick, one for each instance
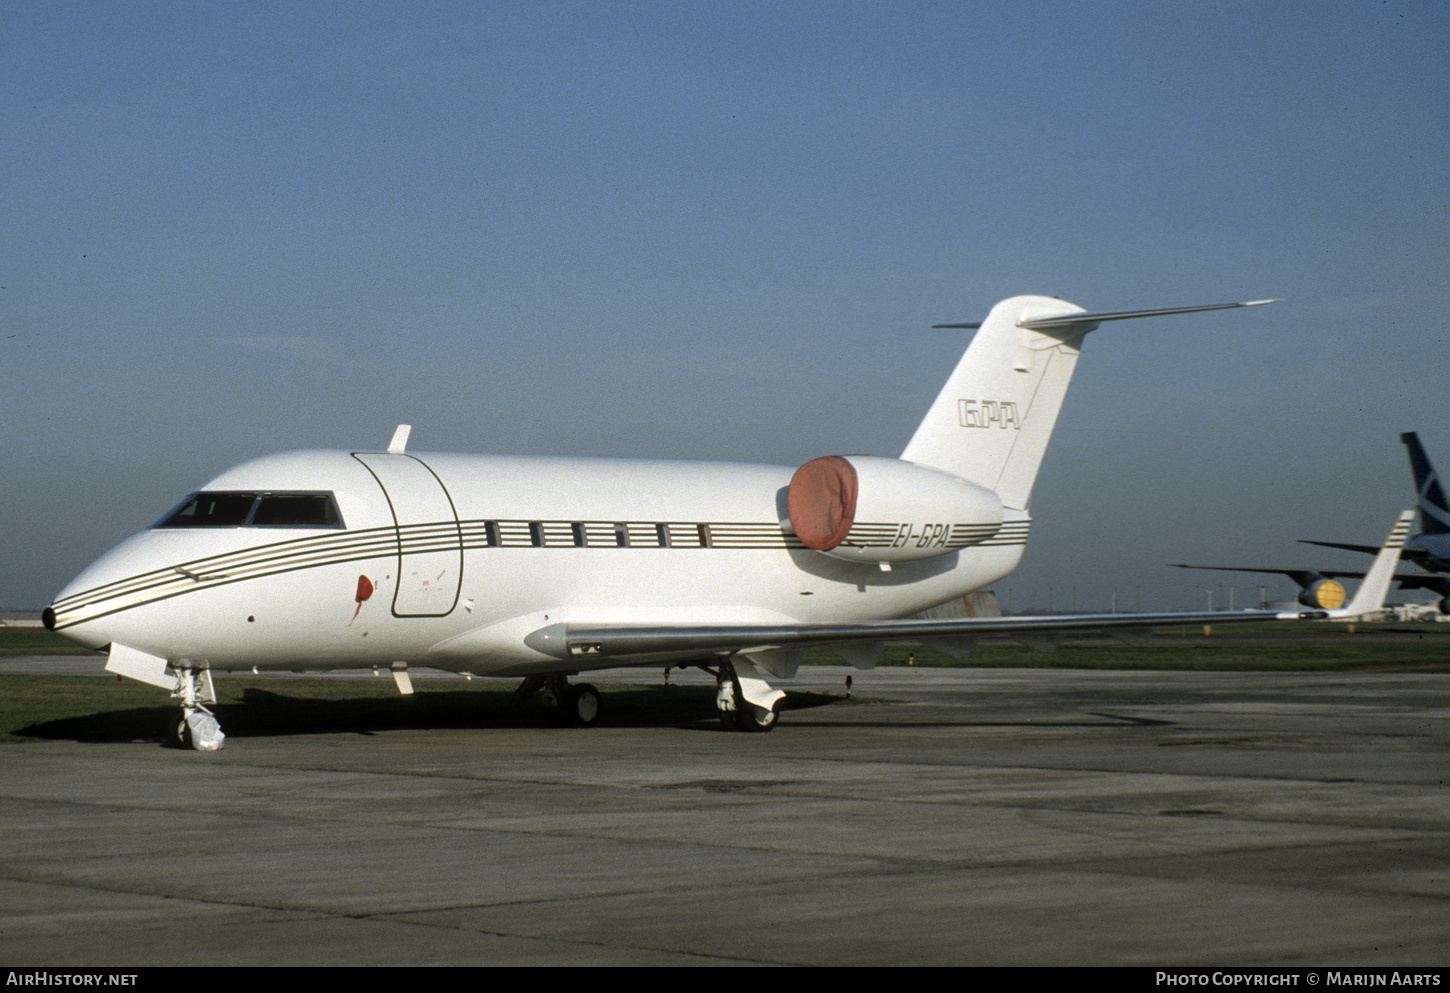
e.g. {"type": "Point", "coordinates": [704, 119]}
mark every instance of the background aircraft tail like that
{"type": "Point", "coordinates": [1372, 591]}
{"type": "Point", "coordinates": [1434, 511]}
{"type": "Point", "coordinates": [992, 420]}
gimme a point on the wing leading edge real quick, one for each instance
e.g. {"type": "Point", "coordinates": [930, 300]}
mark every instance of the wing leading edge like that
{"type": "Point", "coordinates": [638, 642]}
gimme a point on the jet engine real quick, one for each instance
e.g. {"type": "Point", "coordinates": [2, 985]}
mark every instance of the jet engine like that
{"type": "Point", "coordinates": [864, 508]}
{"type": "Point", "coordinates": [1326, 594]}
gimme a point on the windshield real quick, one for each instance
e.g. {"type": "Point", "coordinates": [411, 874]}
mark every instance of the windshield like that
{"type": "Point", "coordinates": [257, 510]}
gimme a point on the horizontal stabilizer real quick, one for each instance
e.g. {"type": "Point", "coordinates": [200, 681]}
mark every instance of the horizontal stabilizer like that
{"type": "Point", "coordinates": [1068, 320]}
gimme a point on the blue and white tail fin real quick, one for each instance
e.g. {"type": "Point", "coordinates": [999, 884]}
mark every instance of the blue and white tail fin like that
{"type": "Point", "coordinates": [1434, 511]}
{"type": "Point", "coordinates": [992, 420]}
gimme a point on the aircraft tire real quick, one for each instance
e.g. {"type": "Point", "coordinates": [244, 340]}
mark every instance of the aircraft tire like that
{"type": "Point", "coordinates": [579, 708]}
{"type": "Point", "coordinates": [584, 705]}
{"type": "Point", "coordinates": [746, 716]}
{"type": "Point", "coordinates": [757, 719]}
{"type": "Point", "coordinates": [178, 733]}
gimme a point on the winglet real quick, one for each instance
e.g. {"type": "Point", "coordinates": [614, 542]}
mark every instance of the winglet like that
{"type": "Point", "coordinates": [1376, 583]}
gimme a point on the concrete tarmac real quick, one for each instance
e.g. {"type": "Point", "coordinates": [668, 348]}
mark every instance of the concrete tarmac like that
{"type": "Point", "coordinates": [982, 816]}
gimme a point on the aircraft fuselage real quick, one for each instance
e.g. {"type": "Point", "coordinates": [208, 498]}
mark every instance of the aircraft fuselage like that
{"type": "Point", "coordinates": [451, 561]}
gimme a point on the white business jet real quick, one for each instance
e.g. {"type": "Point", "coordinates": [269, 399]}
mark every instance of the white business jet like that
{"type": "Point", "coordinates": [544, 568]}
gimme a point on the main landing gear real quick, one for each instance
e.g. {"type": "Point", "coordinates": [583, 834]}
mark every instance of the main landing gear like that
{"type": "Point", "coordinates": [568, 706]}
{"type": "Point", "coordinates": [744, 701]}
{"type": "Point", "coordinates": [195, 728]}
{"type": "Point", "coordinates": [736, 712]}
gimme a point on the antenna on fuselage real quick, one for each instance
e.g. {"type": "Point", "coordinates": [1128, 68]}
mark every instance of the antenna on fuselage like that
{"type": "Point", "coordinates": [400, 439]}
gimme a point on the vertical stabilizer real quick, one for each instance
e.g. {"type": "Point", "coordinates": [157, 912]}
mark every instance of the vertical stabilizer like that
{"type": "Point", "coordinates": [991, 422]}
{"type": "Point", "coordinates": [1434, 512]}
{"type": "Point", "coordinates": [1375, 586]}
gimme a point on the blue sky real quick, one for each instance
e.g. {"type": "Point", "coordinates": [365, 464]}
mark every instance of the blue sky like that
{"type": "Point", "coordinates": [722, 231]}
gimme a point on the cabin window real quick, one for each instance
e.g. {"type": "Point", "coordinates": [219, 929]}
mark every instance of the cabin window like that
{"type": "Point", "coordinates": [258, 510]}
{"type": "Point", "coordinates": [640, 535]}
{"type": "Point", "coordinates": [597, 534]}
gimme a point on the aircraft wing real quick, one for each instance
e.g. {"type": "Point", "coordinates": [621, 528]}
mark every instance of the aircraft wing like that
{"type": "Point", "coordinates": [1398, 534]}
{"type": "Point", "coordinates": [1416, 555]}
{"type": "Point", "coordinates": [1304, 577]}
{"type": "Point", "coordinates": [1367, 549]}
{"type": "Point", "coordinates": [616, 641]}
{"type": "Point", "coordinates": [623, 642]}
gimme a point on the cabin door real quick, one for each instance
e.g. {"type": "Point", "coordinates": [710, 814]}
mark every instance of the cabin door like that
{"type": "Point", "coordinates": [430, 543]}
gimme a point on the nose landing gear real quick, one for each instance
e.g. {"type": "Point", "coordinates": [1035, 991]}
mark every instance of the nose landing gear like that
{"type": "Point", "coordinates": [195, 728]}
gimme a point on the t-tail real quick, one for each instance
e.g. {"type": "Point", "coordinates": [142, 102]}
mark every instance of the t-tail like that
{"type": "Point", "coordinates": [992, 420]}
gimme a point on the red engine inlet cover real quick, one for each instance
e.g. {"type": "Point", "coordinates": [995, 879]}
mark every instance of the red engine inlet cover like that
{"type": "Point", "coordinates": [821, 501]}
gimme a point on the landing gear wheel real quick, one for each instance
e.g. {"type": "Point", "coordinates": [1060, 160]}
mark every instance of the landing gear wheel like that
{"type": "Point", "coordinates": [730, 720]}
{"type": "Point", "coordinates": [178, 733]}
{"type": "Point", "coordinates": [195, 728]}
{"type": "Point", "coordinates": [583, 705]}
{"type": "Point", "coordinates": [575, 706]}
{"type": "Point", "coordinates": [753, 718]}
{"type": "Point", "coordinates": [743, 715]}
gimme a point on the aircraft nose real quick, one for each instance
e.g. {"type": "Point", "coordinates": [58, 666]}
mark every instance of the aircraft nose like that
{"type": "Point", "coordinates": [69, 616]}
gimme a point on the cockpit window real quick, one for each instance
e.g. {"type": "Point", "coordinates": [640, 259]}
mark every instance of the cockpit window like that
{"type": "Point", "coordinates": [295, 510]}
{"type": "Point", "coordinates": [257, 510]}
{"type": "Point", "coordinates": [211, 510]}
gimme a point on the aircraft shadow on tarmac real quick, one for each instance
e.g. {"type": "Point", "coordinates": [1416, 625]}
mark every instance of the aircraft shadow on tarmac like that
{"type": "Point", "coordinates": [264, 712]}
{"type": "Point", "coordinates": [276, 710]}
{"type": "Point", "coordinates": [1090, 720]}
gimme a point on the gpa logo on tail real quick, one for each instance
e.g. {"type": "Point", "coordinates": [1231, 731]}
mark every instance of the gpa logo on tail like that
{"type": "Point", "coordinates": [988, 413]}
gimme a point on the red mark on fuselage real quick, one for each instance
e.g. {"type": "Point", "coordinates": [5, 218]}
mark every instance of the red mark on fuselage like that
{"type": "Point", "coordinates": [364, 590]}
